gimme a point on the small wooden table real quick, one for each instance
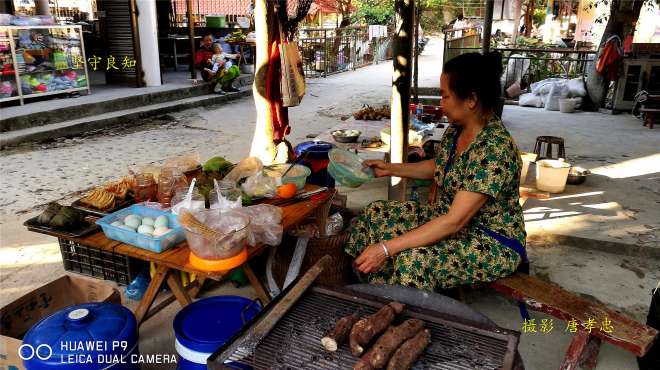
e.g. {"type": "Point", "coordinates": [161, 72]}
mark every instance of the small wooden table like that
{"type": "Point", "coordinates": [176, 259]}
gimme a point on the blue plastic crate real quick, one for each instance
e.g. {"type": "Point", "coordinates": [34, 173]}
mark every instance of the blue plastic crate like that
{"type": "Point", "coordinates": [154, 244]}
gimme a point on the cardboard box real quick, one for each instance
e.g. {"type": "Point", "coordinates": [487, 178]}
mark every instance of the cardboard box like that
{"type": "Point", "coordinates": [9, 359]}
{"type": "Point", "coordinates": [19, 316]}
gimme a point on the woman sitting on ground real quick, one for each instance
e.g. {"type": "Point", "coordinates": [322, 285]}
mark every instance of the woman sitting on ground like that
{"type": "Point", "coordinates": [475, 231]}
{"type": "Point", "coordinates": [204, 62]}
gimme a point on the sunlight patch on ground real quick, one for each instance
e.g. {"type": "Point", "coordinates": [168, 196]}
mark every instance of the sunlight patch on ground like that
{"type": "Point", "coordinates": [630, 168]}
{"type": "Point", "coordinates": [29, 254]}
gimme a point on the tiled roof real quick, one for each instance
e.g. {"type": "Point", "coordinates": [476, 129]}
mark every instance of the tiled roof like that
{"type": "Point", "coordinates": [206, 7]}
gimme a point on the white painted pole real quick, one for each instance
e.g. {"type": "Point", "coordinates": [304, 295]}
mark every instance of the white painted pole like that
{"type": "Point", "coordinates": [148, 31]}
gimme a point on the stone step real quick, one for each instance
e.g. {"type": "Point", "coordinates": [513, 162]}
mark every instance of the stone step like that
{"type": "Point", "coordinates": [75, 111]}
{"type": "Point", "coordinates": [88, 123]}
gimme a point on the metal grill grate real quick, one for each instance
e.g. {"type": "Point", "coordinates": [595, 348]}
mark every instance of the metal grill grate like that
{"type": "Point", "coordinates": [294, 343]}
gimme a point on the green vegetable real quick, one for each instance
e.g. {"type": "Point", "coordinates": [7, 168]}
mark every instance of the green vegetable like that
{"type": "Point", "coordinates": [67, 217]}
{"type": "Point", "coordinates": [217, 164]}
{"type": "Point", "coordinates": [48, 214]}
{"type": "Point", "coordinates": [246, 200]}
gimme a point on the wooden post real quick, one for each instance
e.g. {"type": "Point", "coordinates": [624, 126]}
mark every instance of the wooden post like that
{"type": "Point", "coordinates": [191, 35]}
{"type": "Point", "coordinates": [416, 56]}
{"type": "Point", "coordinates": [262, 141]}
{"type": "Point", "coordinates": [488, 26]}
{"type": "Point", "coordinates": [401, 79]}
{"type": "Point", "coordinates": [42, 7]}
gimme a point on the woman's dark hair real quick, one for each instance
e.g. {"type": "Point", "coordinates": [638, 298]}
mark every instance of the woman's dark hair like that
{"type": "Point", "coordinates": [460, 16]}
{"type": "Point", "coordinates": [476, 73]}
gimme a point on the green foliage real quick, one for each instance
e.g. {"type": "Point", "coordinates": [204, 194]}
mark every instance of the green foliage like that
{"type": "Point", "coordinates": [374, 12]}
{"type": "Point", "coordinates": [539, 16]}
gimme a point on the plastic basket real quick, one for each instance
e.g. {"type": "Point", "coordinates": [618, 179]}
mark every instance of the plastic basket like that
{"type": "Point", "coordinates": [94, 262]}
{"type": "Point", "coordinates": [154, 244]}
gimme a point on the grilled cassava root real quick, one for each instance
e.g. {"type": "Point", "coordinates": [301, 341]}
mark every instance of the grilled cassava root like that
{"type": "Point", "coordinates": [338, 335]}
{"type": "Point", "coordinates": [367, 328]}
{"type": "Point", "coordinates": [404, 357]}
{"type": "Point", "coordinates": [377, 356]}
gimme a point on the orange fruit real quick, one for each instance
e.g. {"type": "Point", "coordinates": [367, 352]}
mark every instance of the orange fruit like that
{"type": "Point", "coordinates": [287, 191]}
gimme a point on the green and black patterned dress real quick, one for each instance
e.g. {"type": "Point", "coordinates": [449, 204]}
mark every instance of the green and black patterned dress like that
{"type": "Point", "coordinates": [491, 166]}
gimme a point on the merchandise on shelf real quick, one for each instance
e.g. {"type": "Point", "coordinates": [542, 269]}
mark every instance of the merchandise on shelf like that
{"type": "Point", "coordinates": [44, 60]}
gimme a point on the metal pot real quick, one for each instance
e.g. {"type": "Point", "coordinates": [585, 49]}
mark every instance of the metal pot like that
{"type": "Point", "coordinates": [577, 175]}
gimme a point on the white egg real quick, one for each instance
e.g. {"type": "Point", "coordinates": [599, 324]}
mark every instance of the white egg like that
{"type": "Point", "coordinates": [145, 229]}
{"type": "Point", "coordinates": [148, 221]}
{"type": "Point", "coordinates": [161, 221]}
{"type": "Point", "coordinates": [132, 221]}
{"type": "Point", "coordinates": [126, 227]}
{"type": "Point", "coordinates": [161, 231]}
{"type": "Point", "coordinates": [117, 223]}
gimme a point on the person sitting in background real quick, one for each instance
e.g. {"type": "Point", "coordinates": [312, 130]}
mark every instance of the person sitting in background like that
{"type": "Point", "coordinates": [220, 59]}
{"type": "Point", "coordinates": [204, 63]}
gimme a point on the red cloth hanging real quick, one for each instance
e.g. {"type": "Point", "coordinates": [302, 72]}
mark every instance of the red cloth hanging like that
{"type": "Point", "coordinates": [280, 114]}
{"type": "Point", "coordinates": [610, 59]}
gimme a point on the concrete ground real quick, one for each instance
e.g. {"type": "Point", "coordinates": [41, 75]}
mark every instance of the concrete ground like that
{"type": "Point", "coordinates": [617, 207]}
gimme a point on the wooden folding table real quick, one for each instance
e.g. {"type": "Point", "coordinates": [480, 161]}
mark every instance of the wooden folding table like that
{"type": "Point", "coordinates": [176, 259]}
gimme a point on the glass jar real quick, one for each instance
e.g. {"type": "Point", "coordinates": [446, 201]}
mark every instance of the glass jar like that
{"type": "Point", "coordinates": [145, 188]}
{"type": "Point", "coordinates": [169, 180]}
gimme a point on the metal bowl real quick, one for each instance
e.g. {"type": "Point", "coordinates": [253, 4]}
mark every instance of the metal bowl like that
{"type": "Point", "coordinates": [577, 175]}
{"type": "Point", "coordinates": [341, 136]}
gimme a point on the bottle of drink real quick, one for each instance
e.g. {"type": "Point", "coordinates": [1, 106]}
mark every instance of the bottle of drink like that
{"type": "Point", "coordinates": [414, 195]}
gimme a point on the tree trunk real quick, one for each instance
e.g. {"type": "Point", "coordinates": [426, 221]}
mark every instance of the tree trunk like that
{"type": "Point", "coordinates": [517, 4]}
{"type": "Point", "coordinates": [597, 85]}
{"type": "Point", "coordinates": [529, 17]}
{"type": "Point", "coordinates": [262, 141]}
{"type": "Point", "coordinates": [42, 7]}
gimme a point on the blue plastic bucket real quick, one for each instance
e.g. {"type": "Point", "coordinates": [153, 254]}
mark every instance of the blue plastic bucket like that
{"type": "Point", "coordinates": [88, 336]}
{"type": "Point", "coordinates": [203, 326]}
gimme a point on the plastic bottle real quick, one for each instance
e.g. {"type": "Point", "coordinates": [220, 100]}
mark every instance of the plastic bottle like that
{"type": "Point", "coordinates": [414, 194]}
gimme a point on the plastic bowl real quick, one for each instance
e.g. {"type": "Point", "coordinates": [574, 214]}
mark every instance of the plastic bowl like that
{"type": "Point", "coordinates": [347, 169]}
{"type": "Point", "coordinates": [298, 174]}
{"type": "Point", "coordinates": [230, 245]}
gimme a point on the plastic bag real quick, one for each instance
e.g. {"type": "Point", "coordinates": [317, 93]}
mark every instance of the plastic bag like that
{"type": "Point", "coordinates": [517, 67]}
{"type": "Point", "coordinates": [185, 162]}
{"type": "Point", "coordinates": [248, 167]}
{"type": "Point", "coordinates": [557, 91]}
{"type": "Point", "coordinates": [335, 225]}
{"type": "Point", "coordinates": [223, 197]}
{"type": "Point", "coordinates": [576, 87]}
{"type": "Point", "coordinates": [543, 87]}
{"type": "Point", "coordinates": [265, 224]}
{"type": "Point", "coordinates": [530, 100]}
{"type": "Point", "coordinates": [260, 186]}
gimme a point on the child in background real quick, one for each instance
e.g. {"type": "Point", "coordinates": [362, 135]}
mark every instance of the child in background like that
{"type": "Point", "coordinates": [220, 59]}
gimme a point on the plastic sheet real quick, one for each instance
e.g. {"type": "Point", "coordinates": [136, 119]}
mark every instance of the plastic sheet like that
{"type": "Point", "coordinates": [265, 223]}
{"type": "Point", "coordinates": [260, 185]}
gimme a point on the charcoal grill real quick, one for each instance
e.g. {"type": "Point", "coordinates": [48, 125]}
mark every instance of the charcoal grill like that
{"type": "Point", "coordinates": [294, 341]}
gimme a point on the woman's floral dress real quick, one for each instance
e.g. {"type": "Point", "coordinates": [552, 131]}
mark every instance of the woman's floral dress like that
{"type": "Point", "coordinates": [491, 166]}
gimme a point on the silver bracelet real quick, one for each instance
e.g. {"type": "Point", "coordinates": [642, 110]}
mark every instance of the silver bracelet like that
{"type": "Point", "coordinates": [387, 253]}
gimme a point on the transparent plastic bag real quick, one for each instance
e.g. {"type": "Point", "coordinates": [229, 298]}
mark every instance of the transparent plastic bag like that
{"type": "Point", "coordinates": [265, 224]}
{"type": "Point", "coordinates": [260, 186]}
{"type": "Point", "coordinates": [248, 167]}
{"type": "Point", "coordinates": [225, 196]}
{"type": "Point", "coordinates": [335, 225]}
{"type": "Point", "coordinates": [185, 162]}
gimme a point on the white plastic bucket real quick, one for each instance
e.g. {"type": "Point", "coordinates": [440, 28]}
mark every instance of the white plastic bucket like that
{"type": "Point", "coordinates": [551, 175]}
{"type": "Point", "coordinates": [526, 159]}
{"type": "Point", "coordinates": [567, 105]}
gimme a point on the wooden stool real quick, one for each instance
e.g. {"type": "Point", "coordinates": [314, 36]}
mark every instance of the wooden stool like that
{"type": "Point", "coordinates": [548, 142]}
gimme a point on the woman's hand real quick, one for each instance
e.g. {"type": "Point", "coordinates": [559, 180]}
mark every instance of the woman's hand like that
{"type": "Point", "coordinates": [371, 259]}
{"type": "Point", "coordinates": [380, 167]}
